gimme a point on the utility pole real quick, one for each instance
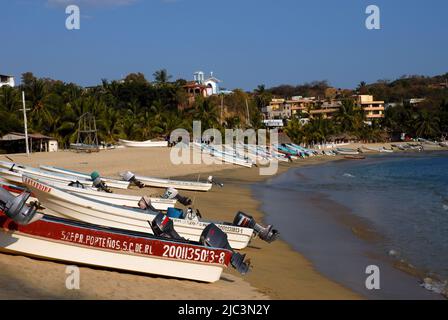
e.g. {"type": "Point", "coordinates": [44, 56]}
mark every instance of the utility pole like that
{"type": "Point", "coordinates": [247, 114]}
{"type": "Point", "coordinates": [222, 107]}
{"type": "Point", "coordinates": [25, 123]}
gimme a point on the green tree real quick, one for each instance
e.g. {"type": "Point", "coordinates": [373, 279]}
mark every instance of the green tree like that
{"type": "Point", "coordinates": [161, 76]}
{"type": "Point", "coordinates": [426, 124]}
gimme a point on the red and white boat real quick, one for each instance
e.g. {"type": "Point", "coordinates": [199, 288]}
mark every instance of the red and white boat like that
{"type": "Point", "coordinates": [74, 242]}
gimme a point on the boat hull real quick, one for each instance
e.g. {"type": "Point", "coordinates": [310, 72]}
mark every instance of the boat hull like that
{"type": "Point", "coordinates": [59, 177]}
{"type": "Point", "coordinates": [64, 241]}
{"type": "Point", "coordinates": [181, 185]}
{"type": "Point", "coordinates": [111, 198]}
{"type": "Point", "coordinates": [143, 144]}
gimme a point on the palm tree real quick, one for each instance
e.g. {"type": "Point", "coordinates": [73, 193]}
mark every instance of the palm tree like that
{"type": "Point", "coordinates": [207, 113]}
{"type": "Point", "coordinates": [110, 125]}
{"type": "Point", "coordinates": [161, 76]}
{"type": "Point", "coordinates": [79, 107]}
{"type": "Point", "coordinates": [426, 124]}
{"type": "Point", "coordinates": [362, 88]}
{"type": "Point", "coordinates": [36, 95]}
{"type": "Point", "coordinates": [294, 130]}
{"type": "Point", "coordinates": [11, 119]}
{"type": "Point", "coordinates": [346, 116]}
{"type": "Point", "coordinates": [9, 99]}
{"type": "Point", "coordinates": [317, 130]}
{"type": "Point", "coordinates": [262, 96]}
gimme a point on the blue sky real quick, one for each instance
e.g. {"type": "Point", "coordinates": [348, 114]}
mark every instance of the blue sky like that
{"type": "Point", "coordinates": [244, 42]}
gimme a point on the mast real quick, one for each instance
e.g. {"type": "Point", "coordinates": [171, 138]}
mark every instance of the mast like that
{"type": "Point", "coordinates": [247, 114]}
{"type": "Point", "coordinates": [25, 124]}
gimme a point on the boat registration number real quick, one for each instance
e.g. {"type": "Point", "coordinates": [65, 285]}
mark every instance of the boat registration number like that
{"type": "Point", "coordinates": [194, 254]}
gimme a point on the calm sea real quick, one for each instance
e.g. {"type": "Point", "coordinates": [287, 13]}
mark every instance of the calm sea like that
{"type": "Point", "coordinates": [401, 197]}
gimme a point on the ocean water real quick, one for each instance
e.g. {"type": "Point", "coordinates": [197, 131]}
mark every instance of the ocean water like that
{"type": "Point", "coordinates": [401, 198]}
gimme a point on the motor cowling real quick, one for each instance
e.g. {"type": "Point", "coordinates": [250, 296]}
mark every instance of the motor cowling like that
{"type": "Point", "coordinates": [99, 183]}
{"type": "Point", "coordinates": [145, 204]}
{"type": "Point", "coordinates": [17, 209]}
{"type": "Point", "coordinates": [214, 237]}
{"type": "Point", "coordinates": [163, 226]}
{"type": "Point", "coordinates": [130, 177]}
{"type": "Point", "coordinates": [172, 193]}
{"type": "Point", "coordinates": [193, 214]}
{"type": "Point", "coordinates": [268, 233]}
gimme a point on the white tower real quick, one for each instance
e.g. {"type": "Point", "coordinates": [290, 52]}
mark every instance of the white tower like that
{"type": "Point", "coordinates": [199, 77]}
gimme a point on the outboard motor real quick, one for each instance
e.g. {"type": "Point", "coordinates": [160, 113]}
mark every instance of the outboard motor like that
{"type": "Point", "coordinates": [98, 183]}
{"type": "Point", "coordinates": [172, 193]}
{"type": "Point", "coordinates": [214, 181]}
{"type": "Point", "coordinates": [145, 204]}
{"type": "Point", "coordinates": [214, 237]}
{"type": "Point", "coordinates": [163, 226]}
{"type": "Point", "coordinates": [76, 184]}
{"type": "Point", "coordinates": [175, 213]}
{"type": "Point", "coordinates": [130, 177]}
{"type": "Point", "coordinates": [267, 233]}
{"type": "Point", "coordinates": [17, 209]}
{"type": "Point", "coordinates": [193, 214]}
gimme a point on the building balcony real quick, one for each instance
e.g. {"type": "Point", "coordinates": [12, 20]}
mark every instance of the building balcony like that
{"type": "Point", "coordinates": [374, 108]}
{"type": "Point", "coordinates": [323, 111]}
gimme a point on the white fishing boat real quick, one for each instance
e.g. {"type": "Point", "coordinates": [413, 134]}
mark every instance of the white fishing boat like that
{"type": "Point", "coordinates": [429, 142]}
{"type": "Point", "coordinates": [111, 182]}
{"type": "Point", "coordinates": [346, 152]}
{"type": "Point", "coordinates": [26, 232]}
{"type": "Point", "coordinates": [378, 149]}
{"type": "Point", "coordinates": [168, 183]}
{"type": "Point", "coordinates": [59, 203]}
{"type": "Point", "coordinates": [15, 177]}
{"type": "Point", "coordinates": [58, 177]}
{"type": "Point", "coordinates": [129, 177]}
{"type": "Point", "coordinates": [110, 198]}
{"type": "Point", "coordinates": [222, 156]}
{"type": "Point", "coordinates": [143, 144]}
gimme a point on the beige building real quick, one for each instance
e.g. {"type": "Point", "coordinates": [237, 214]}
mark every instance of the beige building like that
{"type": "Point", "coordinates": [277, 109]}
{"type": "Point", "coordinates": [373, 110]}
{"type": "Point", "coordinates": [301, 105]}
{"type": "Point", "coordinates": [304, 108]}
{"type": "Point", "coordinates": [314, 108]}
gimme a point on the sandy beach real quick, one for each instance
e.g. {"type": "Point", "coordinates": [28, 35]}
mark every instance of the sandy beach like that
{"type": "Point", "coordinates": [278, 271]}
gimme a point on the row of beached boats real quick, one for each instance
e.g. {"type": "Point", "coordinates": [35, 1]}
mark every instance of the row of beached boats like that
{"type": "Point", "coordinates": [52, 214]}
{"type": "Point", "coordinates": [249, 155]}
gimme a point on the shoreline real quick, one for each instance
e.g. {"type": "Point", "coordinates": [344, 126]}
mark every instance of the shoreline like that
{"type": "Point", "coordinates": [337, 219]}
